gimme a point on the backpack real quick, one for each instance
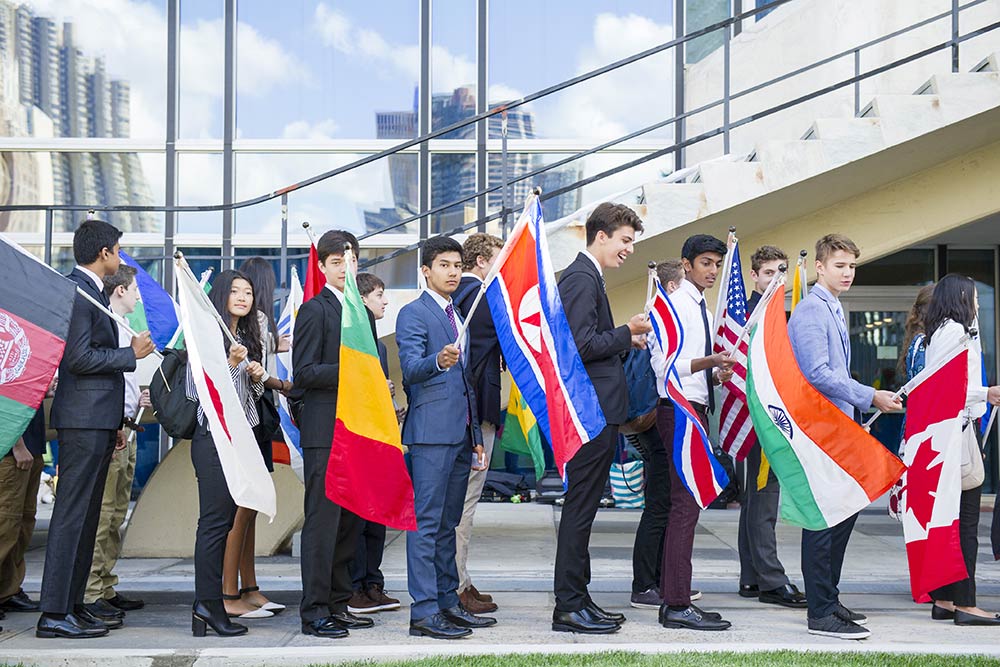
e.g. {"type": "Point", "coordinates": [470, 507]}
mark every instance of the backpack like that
{"type": "Point", "coordinates": [167, 392]}
{"type": "Point", "coordinates": [642, 395]}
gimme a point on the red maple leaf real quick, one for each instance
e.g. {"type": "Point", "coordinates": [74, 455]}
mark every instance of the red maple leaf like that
{"type": "Point", "coordinates": [922, 481]}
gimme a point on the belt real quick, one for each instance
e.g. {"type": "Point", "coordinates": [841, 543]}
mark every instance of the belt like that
{"type": "Point", "coordinates": [698, 407]}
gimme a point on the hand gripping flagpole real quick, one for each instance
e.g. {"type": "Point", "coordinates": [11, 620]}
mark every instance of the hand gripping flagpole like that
{"type": "Point", "coordinates": [182, 264]}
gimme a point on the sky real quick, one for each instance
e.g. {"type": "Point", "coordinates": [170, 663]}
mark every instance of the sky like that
{"type": "Point", "coordinates": [321, 69]}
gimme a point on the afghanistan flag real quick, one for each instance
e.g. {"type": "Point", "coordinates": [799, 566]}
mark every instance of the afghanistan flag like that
{"type": "Point", "coordinates": [36, 304]}
{"type": "Point", "coordinates": [828, 466]}
{"type": "Point", "coordinates": [366, 442]}
{"type": "Point", "coordinates": [520, 431]}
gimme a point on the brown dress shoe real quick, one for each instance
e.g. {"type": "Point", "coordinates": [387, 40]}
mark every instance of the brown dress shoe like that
{"type": "Point", "coordinates": [482, 597]}
{"type": "Point", "coordinates": [474, 606]}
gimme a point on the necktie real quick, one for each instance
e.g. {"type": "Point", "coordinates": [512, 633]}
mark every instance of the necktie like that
{"type": "Point", "coordinates": [708, 353]}
{"type": "Point", "coordinates": [449, 310]}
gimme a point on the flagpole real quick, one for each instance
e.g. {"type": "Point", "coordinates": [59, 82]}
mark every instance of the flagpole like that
{"type": "Point", "coordinates": [650, 286]}
{"type": "Point", "coordinates": [989, 423]}
{"type": "Point", "coordinates": [138, 416]}
{"type": "Point", "coordinates": [183, 266]}
{"type": "Point", "coordinates": [205, 275]}
{"type": "Point", "coordinates": [720, 304]}
{"type": "Point", "coordinates": [758, 312]}
{"type": "Point", "coordinates": [312, 235]}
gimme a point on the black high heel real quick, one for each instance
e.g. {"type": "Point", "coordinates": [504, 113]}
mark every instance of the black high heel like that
{"type": "Point", "coordinates": [212, 614]}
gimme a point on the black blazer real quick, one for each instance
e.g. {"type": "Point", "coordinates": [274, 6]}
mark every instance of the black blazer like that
{"type": "Point", "coordinates": [484, 350]}
{"type": "Point", "coordinates": [602, 346]}
{"type": "Point", "coordinates": [316, 367]}
{"type": "Point", "coordinates": [91, 389]}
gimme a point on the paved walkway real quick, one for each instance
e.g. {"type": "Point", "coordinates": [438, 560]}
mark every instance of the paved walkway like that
{"type": "Point", "coordinates": [512, 557]}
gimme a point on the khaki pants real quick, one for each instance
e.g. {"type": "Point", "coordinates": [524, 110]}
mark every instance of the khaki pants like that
{"type": "Point", "coordinates": [477, 480]}
{"type": "Point", "coordinates": [114, 505]}
{"type": "Point", "coordinates": [18, 498]}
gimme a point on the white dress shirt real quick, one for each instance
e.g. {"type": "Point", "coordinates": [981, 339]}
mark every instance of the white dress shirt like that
{"type": "Point", "coordinates": [98, 283]}
{"type": "Point", "coordinates": [600, 269]}
{"type": "Point", "coordinates": [686, 299]}
{"type": "Point", "coordinates": [131, 380]}
{"type": "Point", "coordinates": [444, 303]}
{"type": "Point", "coordinates": [336, 292]}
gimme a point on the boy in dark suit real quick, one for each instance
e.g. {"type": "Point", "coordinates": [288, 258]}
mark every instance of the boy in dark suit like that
{"type": "Point", "coordinates": [611, 231]}
{"type": "Point", "coordinates": [329, 532]}
{"type": "Point", "coordinates": [443, 435]}
{"type": "Point", "coordinates": [87, 413]}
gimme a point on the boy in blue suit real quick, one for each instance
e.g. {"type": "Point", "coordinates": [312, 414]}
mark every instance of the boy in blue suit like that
{"type": "Point", "coordinates": [822, 348]}
{"type": "Point", "coordinates": [442, 433]}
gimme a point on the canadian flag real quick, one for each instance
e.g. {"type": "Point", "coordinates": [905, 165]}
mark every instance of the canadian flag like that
{"type": "Point", "coordinates": [932, 483]}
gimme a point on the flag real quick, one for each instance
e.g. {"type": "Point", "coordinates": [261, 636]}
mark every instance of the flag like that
{"type": "Point", "coordinates": [828, 466]}
{"type": "Point", "coordinates": [984, 421]}
{"type": "Point", "coordinates": [315, 280]}
{"type": "Point", "coordinates": [736, 436]}
{"type": "Point", "coordinates": [156, 310]}
{"type": "Point", "coordinates": [700, 472]}
{"type": "Point", "coordinates": [286, 325]}
{"type": "Point", "coordinates": [932, 483]}
{"type": "Point", "coordinates": [246, 475]}
{"type": "Point", "coordinates": [521, 434]}
{"type": "Point", "coordinates": [537, 342]}
{"type": "Point", "coordinates": [366, 442]}
{"type": "Point", "coordinates": [37, 304]}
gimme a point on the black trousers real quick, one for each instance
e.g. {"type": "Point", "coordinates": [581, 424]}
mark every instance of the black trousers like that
{"type": "Point", "coordinates": [587, 473]}
{"type": "Point", "coordinates": [329, 536]}
{"type": "Point", "coordinates": [84, 456]}
{"type": "Point", "coordinates": [367, 567]}
{"type": "Point", "coordinates": [216, 511]}
{"type": "Point", "coordinates": [963, 593]}
{"type": "Point", "coordinates": [822, 561]}
{"type": "Point", "coordinates": [647, 552]}
{"type": "Point", "coordinates": [758, 545]}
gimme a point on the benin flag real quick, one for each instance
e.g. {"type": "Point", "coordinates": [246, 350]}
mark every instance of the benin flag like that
{"type": "Point", "coordinates": [828, 466]}
{"type": "Point", "coordinates": [520, 431]}
{"type": "Point", "coordinates": [35, 308]}
{"type": "Point", "coordinates": [366, 473]}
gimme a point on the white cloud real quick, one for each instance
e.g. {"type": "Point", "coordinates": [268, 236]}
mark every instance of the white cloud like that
{"type": "Point", "coordinates": [300, 129]}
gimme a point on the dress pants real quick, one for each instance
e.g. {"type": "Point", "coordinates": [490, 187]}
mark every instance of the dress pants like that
{"type": "Point", "coordinates": [477, 480]}
{"type": "Point", "coordinates": [84, 455]}
{"type": "Point", "coordinates": [114, 505]}
{"type": "Point", "coordinates": [759, 564]}
{"type": "Point", "coordinates": [963, 593]}
{"type": "Point", "coordinates": [647, 553]}
{"type": "Point", "coordinates": [440, 476]}
{"type": "Point", "coordinates": [587, 473]}
{"type": "Point", "coordinates": [822, 560]}
{"type": "Point", "coordinates": [329, 540]}
{"type": "Point", "coordinates": [216, 511]}
{"type": "Point", "coordinates": [18, 500]}
{"type": "Point", "coordinates": [678, 545]}
{"type": "Point", "coordinates": [366, 568]}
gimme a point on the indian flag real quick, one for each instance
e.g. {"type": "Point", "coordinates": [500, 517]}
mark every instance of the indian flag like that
{"type": "Point", "coordinates": [366, 472]}
{"type": "Point", "coordinates": [828, 466]}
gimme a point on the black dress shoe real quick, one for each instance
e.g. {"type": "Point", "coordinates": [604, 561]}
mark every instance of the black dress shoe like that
{"type": "Point", "coordinates": [606, 615]}
{"type": "Point", "coordinates": [787, 596]}
{"type": "Point", "coordinates": [121, 602]}
{"type": "Point", "coordinates": [212, 614]}
{"type": "Point", "coordinates": [324, 627]}
{"type": "Point", "coordinates": [690, 619]}
{"type": "Point", "coordinates": [85, 615]}
{"type": "Point", "coordinates": [104, 610]}
{"type": "Point", "coordinates": [67, 627]}
{"type": "Point", "coordinates": [349, 621]}
{"type": "Point", "coordinates": [708, 614]}
{"type": "Point", "coordinates": [942, 614]}
{"type": "Point", "coordinates": [583, 622]}
{"type": "Point", "coordinates": [19, 602]}
{"type": "Point", "coordinates": [437, 626]}
{"type": "Point", "coordinates": [965, 618]}
{"type": "Point", "coordinates": [457, 615]}
{"type": "Point", "coordinates": [749, 591]}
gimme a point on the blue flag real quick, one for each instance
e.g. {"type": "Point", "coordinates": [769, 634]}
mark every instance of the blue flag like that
{"type": "Point", "coordinates": [157, 305]}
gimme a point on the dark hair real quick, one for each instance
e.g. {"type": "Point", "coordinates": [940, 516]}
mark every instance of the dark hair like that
{"type": "Point", "coordinates": [91, 237]}
{"type": "Point", "coordinates": [247, 326]}
{"type": "Point", "coordinates": [435, 246]}
{"type": "Point", "coordinates": [121, 278]}
{"type": "Point", "coordinates": [670, 270]}
{"type": "Point", "coordinates": [478, 245]}
{"type": "Point", "coordinates": [333, 242]}
{"type": "Point", "coordinates": [834, 242]}
{"type": "Point", "coordinates": [953, 299]}
{"type": "Point", "coordinates": [262, 278]}
{"type": "Point", "coordinates": [368, 283]}
{"type": "Point", "coordinates": [915, 323]}
{"type": "Point", "coordinates": [608, 218]}
{"type": "Point", "coordinates": [766, 253]}
{"type": "Point", "coordinates": [699, 244]}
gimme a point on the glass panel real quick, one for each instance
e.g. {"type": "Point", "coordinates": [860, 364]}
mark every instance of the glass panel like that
{"type": "Point", "coordinates": [199, 180]}
{"type": "Point", "coordinates": [309, 69]}
{"type": "Point", "coordinates": [202, 259]}
{"type": "Point", "coordinates": [68, 79]}
{"type": "Point", "coordinates": [151, 259]}
{"type": "Point", "coordinates": [201, 49]}
{"type": "Point", "coordinates": [875, 340]}
{"type": "Point", "coordinates": [399, 272]}
{"type": "Point", "coordinates": [453, 177]}
{"type": "Point", "coordinates": [701, 14]}
{"type": "Point", "coordinates": [914, 266]}
{"type": "Point", "coordinates": [453, 56]}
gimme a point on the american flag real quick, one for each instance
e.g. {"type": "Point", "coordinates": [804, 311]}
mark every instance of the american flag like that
{"type": "Point", "coordinates": [736, 434]}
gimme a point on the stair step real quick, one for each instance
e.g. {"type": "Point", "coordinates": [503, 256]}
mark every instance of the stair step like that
{"type": "Point", "coordinates": [906, 116]}
{"type": "Point", "coordinates": [671, 205]}
{"type": "Point", "coordinates": [847, 139]}
{"type": "Point", "coordinates": [786, 162]}
{"type": "Point", "coordinates": [730, 183]}
{"type": "Point", "coordinates": [964, 93]}
{"type": "Point", "coordinates": [990, 63]}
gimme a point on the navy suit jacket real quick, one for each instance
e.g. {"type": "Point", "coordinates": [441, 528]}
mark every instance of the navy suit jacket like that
{"type": "Point", "coordinates": [484, 349]}
{"type": "Point", "coordinates": [91, 389]}
{"type": "Point", "coordinates": [439, 402]}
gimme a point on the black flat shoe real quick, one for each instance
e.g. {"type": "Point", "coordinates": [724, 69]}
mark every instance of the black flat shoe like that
{"type": "Point", "coordinates": [68, 627]}
{"type": "Point", "coordinates": [615, 617]}
{"type": "Point", "coordinates": [749, 591]}
{"type": "Point", "coordinates": [212, 614]}
{"type": "Point", "coordinates": [942, 614]}
{"type": "Point", "coordinates": [19, 603]}
{"type": "Point", "coordinates": [349, 621]}
{"type": "Point", "coordinates": [583, 622]}
{"type": "Point", "coordinates": [123, 603]}
{"type": "Point", "coordinates": [457, 615]}
{"type": "Point", "coordinates": [787, 596]}
{"type": "Point", "coordinates": [437, 626]}
{"type": "Point", "coordinates": [84, 614]}
{"type": "Point", "coordinates": [965, 618]}
{"type": "Point", "coordinates": [324, 627]}
{"type": "Point", "coordinates": [690, 619]}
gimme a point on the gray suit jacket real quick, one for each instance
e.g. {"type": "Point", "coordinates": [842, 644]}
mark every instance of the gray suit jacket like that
{"type": "Point", "coordinates": [822, 355]}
